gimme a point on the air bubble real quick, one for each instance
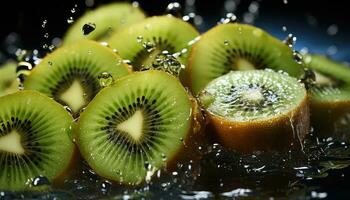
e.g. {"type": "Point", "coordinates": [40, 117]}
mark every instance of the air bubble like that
{"type": "Point", "coordinates": [139, 39]}
{"type": "Point", "coordinates": [190, 18]}
{"type": "Point", "coordinates": [135, 4]}
{"type": "Point", "coordinates": [226, 43]}
{"type": "Point", "coordinates": [284, 28]}
{"type": "Point", "coordinates": [168, 63]}
{"type": "Point", "coordinates": [285, 1]}
{"type": "Point", "coordinates": [298, 57]}
{"type": "Point", "coordinates": [88, 28]}
{"type": "Point", "coordinates": [105, 79]}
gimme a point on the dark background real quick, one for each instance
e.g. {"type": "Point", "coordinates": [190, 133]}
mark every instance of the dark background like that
{"type": "Point", "coordinates": [308, 20]}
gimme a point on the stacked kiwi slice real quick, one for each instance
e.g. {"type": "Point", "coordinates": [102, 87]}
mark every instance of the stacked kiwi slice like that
{"type": "Point", "coordinates": [35, 139]}
{"type": "Point", "coordinates": [8, 82]}
{"type": "Point", "coordinates": [70, 75]}
{"type": "Point", "coordinates": [142, 123]}
{"type": "Point", "coordinates": [330, 95]}
{"type": "Point", "coordinates": [142, 42]}
{"type": "Point", "coordinates": [256, 110]}
{"type": "Point", "coordinates": [100, 23]}
{"type": "Point", "coordinates": [236, 46]}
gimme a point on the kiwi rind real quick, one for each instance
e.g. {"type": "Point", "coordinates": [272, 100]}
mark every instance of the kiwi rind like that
{"type": "Point", "coordinates": [166, 33]}
{"type": "Point", "coordinates": [279, 131]}
{"type": "Point", "coordinates": [180, 144]}
{"type": "Point", "coordinates": [107, 18]}
{"type": "Point", "coordinates": [8, 82]}
{"type": "Point", "coordinates": [57, 148]}
{"type": "Point", "coordinates": [329, 102]}
{"type": "Point", "coordinates": [85, 58]}
{"type": "Point", "coordinates": [213, 55]}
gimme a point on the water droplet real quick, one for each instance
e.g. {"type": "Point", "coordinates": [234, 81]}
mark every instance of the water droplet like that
{"type": "Point", "coordinates": [332, 29]}
{"type": "Point", "coordinates": [284, 28]}
{"type": "Point", "coordinates": [297, 57]}
{"type": "Point", "coordinates": [290, 40]}
{"type": "Point", "coordinates": [226, 43]}
{"type": "Point", "coordinates": [190, 18]}
{"type": "Point", "coordinates": [135, 4]}
{"type": "Point", "coordinates": [72, 10]}
{"type": "Point", "coordinates": [174, 9]}
{"type": "Point", "coordinates": [139, 39]}
{"type": "Point", "coordinates": [230, 5]}
{"type": "Point", "coordinates": [44, 23]}
{"type": "Point", "coordinates": [309, 78]}
{"type": "Point", "coordinates": [50, 63]}
{"type": "Point", "coordinates": [68, 109]}
{"type": "Point", "coordinates": [168, 63]}
{"type": "Point", "coordinates": [46, 35]}
{"type": "Point", "coordinates": [149, 46]}
{"type": "Point", "coordinates": [229, 18]}
{"type": "Point", "coordinates": [89, 3]}
{"type": "Point", "coordinates": [164, 157]}
{"type": "Point", "coordinates": [285, 1]}
{"type": "Point", "coordinates": [70, 20]}
{"type": "Point", "coordinates": [105, 79]}
{"type": "Point", "coordinates": [331, 50]}
{"type": "Point", "coordinates": [104, 44]}
{"type": "Point", "coordinates": [88, 28]}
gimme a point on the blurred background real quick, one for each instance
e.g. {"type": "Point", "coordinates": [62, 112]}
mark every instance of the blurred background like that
{"type": "Point", "coordinates": [320, 26]}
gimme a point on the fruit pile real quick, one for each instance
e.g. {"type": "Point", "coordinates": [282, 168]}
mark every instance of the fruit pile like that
{"type": "Point", "coordinates": [157, 92]}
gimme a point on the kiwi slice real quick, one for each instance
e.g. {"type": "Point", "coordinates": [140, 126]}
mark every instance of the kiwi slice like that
{"type": "Point", "coordinates": [70, 75]}
{"type": "Point", "coordinates": [256, 110]}
{"type": "Point", "coordinates": [8, 82]}
{"type": "Point", "coordinates": [140, 124]}
{"type": "Point", "coordinates": [100, 23]}
{"type": "Point", "coordinates": [236, 46]}
{"type": "Point", "coordinates": [141, 43]}
{"type": "Point", "coordinates": [330, 96]}
{"type": "Point", "coordinates": [35, 139]}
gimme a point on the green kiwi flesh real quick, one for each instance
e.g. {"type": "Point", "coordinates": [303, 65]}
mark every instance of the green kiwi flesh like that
{"type": "Point", "coordinates": [70, 74]}
{"type": "Point", "coordinates": [8, 82]}
{"type": "Point", "coordinates": [330, 96]}
{"type": "Point", "coordinates": [236, 46]}
{"type": "Point", "coordinates": [140, 43]}
{"type": "Point", "coordinates": [135, 127]}
{"type": "Point", "coordinates": [35, 139]}
{"type": "Point", "coordinates": [107, 19]}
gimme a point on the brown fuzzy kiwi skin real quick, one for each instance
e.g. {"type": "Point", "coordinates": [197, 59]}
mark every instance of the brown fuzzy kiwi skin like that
{"type": "Point", "coordinates": [326, 115]}
{"type": "Point", "coordinates": [277, 134]}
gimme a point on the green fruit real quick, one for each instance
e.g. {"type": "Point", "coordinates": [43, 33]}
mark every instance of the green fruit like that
{"type": "Point", "coordinates": [103, 21]}
{"type": "Point", "coordinates": [35, 139]}
{"type": "Point", "coordinates": [70, 75]}
{"type": "Point", "coordinates": [141, 43]}
{"type": "Point", "coordinates": [256, 110]}
{"type": "Point", "coordinates": [8, 82]}
{"type": "Point", "coordinates": [136, 127]}
{"type": "Point", "coordinates": [228, 47]}
{"type": "Point", "coordinates": [330, 96]}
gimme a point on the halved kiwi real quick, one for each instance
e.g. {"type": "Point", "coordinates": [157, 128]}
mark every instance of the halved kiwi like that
{"type": "Point", "coordinates": [236, 46]}
{"type": "Point", "coordinates": [8, 82]}
{"type": "Point", "coordinates": [330, 96]}
{"type": "Point", "coordinates": [256, 110]}
{"type": "Point", "coordinates": [70, 74]}
{"type": "Point", "coordinates": [141, 43]}
{"type": "Point", "coordinates": [35, 139]}
{"type": "Point", "coordinates": [105, 20]}
{"type": "Point", "coordinates": [142, 123]}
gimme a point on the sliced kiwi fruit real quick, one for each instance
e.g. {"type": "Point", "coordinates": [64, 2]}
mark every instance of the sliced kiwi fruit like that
{"type": "Point", "coordinates": [142, 123]}
{"type": "Point", "coordinates": [35, 139]}
{"type": "Point", "coordinates": [8, 82]}
{"type": "Point", "coordinates": [70, 75]}
{"type": "Point", "coordinates": [330, 96]}
{"type": "Point", "coordinates": [98, 24]}
{"type": "Point", "coordinates": [142, 42]}
{"type": "Point", "coordinates": [236, 46]}
{"type": "Point", "coordinates": [256, 110]}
